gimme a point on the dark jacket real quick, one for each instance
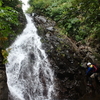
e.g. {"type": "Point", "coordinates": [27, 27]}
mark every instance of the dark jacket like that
{"type": "Point", "coordinates": [91, 69]}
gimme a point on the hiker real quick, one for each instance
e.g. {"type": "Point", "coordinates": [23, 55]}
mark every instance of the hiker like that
{"type": "Point", "coordinates": [92, 72]}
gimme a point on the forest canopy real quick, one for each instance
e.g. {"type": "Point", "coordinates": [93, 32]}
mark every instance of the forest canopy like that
{"type": "Point", "coordinates": [77, 18]}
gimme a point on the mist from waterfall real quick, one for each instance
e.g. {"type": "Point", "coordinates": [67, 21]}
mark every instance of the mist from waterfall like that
{"type": "Point", "coordinates": [29, 76]}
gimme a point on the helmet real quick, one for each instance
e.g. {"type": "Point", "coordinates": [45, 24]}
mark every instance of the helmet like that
{"type": "Point", "coordinates": [88, 63]}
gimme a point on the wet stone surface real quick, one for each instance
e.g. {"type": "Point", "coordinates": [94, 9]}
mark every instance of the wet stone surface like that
{"type": "Point", "coordinates": [3, 86]}
{"type": "Point", "coordinates": [66, 58]}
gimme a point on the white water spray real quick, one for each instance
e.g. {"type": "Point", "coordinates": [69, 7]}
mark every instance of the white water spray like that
{"type": "Point", "coordinates": [29, 76]}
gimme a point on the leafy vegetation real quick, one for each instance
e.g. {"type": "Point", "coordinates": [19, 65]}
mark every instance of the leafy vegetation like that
{"type": "Point", "coordinates": [4, 54]}
{"type": "Point", "coordinates": [8, 19]}
{"type": "Point", "coordinates": [10, 12]}
{"type": "Point", "coordinates": [78, 18]}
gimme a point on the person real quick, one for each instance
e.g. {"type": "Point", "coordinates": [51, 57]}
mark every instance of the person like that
{"type": "Point", "coordinates": [91, 69]}
{"type": "Point", "coordinates": [91, 72]}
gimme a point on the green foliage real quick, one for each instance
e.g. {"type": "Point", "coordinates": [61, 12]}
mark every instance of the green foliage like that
{"type": "Point", "coordinates": [29, 10]}
{"type": "Point", "coordinates": [0, 3]}
{"type": "Point", "coordinates": [4, 54]}
{"type": "Point", "coordinates": [78, 18]}
{"type": "Point", "coordinates": [88, 14]}
{"type": "Point", "coordinates": [15, 4]}
{"type": "Point", "coordinates": [9, 14]}
{"type": "Point", "coordinates": [39, 6]}
{"type": "Point", "coordinates": [8, 18]}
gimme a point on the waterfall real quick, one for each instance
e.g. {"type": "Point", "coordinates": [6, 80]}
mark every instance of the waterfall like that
{"type": "Point", "coordinates": [29, 76]}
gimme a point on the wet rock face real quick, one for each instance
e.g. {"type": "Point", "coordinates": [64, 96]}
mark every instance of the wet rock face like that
{"type": "Point", "coordinates": [3, 86]}
{"type": "Point", "coordinates": [63, 56]}
{"type": "Point", "coordinates": [3, 81]}
{"type": "Point", "coordinates": [66, 64]}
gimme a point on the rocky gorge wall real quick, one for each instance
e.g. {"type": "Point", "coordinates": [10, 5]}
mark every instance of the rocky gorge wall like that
{"type": "Point", "coordinates": [3, 80]}
{"type": "Point", "coordinates": [68, 59]}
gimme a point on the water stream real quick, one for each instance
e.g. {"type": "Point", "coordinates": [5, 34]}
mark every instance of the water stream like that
{"type": "Point", "coordinates": [29, 76]}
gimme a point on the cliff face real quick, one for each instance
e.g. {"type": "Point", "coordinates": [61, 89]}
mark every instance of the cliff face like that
{"type": "Point", "coordinates": [68, 59]}
{"type": "Point", "coordinates": [3, 81]}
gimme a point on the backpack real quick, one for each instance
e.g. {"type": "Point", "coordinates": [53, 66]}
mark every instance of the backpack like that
{"type": "Point", "coordinates": [95, 68]}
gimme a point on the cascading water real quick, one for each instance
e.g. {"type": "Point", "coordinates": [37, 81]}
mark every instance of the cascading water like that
{"type": "Point", "coordinates": [29, 76]}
